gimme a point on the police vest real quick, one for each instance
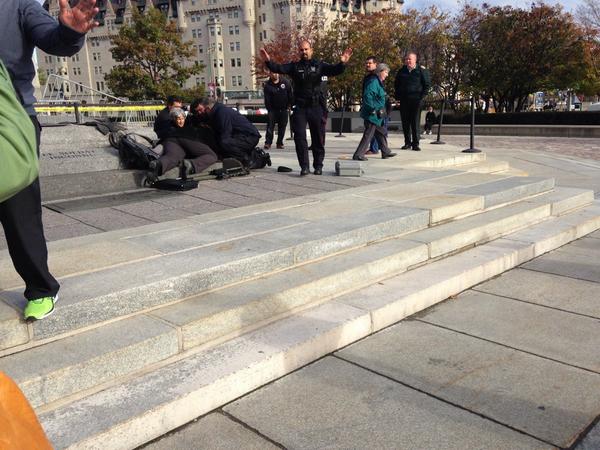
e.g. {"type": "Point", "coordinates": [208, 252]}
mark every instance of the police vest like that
{"type": "Point", "coordinates": [307, 82]}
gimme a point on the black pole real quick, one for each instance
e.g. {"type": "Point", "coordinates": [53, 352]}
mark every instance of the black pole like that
{"type": "Point", "coordinates": [340, 135]}
{"type": "Point", "coordinates": [472, 148]}
{"type": "Point", "coordinates": [291, 138]}
{"type": "Point", "coordinates": [440, 122]}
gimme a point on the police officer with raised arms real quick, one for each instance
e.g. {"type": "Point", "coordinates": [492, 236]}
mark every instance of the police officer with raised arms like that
{"type": "Point", "coordinates": [306, 77]}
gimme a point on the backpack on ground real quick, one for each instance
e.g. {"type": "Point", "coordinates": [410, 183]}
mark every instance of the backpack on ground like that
{"type": "Point", "coordinates": [136, 151]}
{"type": "Point", "coordinates": [259, 159]}
{"type": "Point", "coordinates": [18, 147]}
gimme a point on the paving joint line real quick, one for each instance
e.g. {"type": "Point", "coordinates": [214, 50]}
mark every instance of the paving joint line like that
{"type": "Point", "coordinates": [448, 402]}
{"type": "Point", "coordinates": [535, 304]}
{"type": "Point", "coordinates": [508, 346]}
{"type": "Point", "coordinates": [250, 428]}
{"type": "Point", "coordinates": [584, 433]}
{"type": "Point", "coordinates": [558, 274]}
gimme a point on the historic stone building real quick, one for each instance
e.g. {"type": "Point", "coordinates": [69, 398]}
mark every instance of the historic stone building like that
{"type": "Point", "coordinates": [225, 34]}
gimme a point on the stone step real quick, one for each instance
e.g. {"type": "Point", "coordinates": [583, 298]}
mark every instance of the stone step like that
{"type": "Point", "coordinates": [226, 255]}
{"type": "Point", "coordinates": [487, 166]}
{"type": "Point", "coordinates": [137, 409]}
{"type": "Point", "coordinates": [215, 316]}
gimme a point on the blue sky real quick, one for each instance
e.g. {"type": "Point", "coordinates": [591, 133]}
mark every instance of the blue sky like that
{"type": "Point", "coordinates": [455, 5]}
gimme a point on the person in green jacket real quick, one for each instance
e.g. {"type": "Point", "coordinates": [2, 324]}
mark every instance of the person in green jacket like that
{"type": "Point", "coordinates": [373, 111]}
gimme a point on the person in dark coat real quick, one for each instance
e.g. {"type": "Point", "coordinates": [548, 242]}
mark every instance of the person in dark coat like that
{"type": "Point", "coordinates": [183, 148]}
{"type": "Point", "coordinates": [163, 124]}
{"type": "Point", "coordinates": [306, 76]}
{"type": "Point", "coordinates": [430, 119]}
{"type": "Point", "coordinates": [235, 134]}
{"type": "Point", "coordinates": [278, 100]}
{"type": "Point", "coordinates": [373, 112]}
{"type": "Point", "coordinates": [25, 24]}
{"type": "Point", "coordinates": [411, 86]}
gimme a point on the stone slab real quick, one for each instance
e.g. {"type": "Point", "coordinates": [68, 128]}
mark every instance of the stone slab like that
{"type": "Point", "coordinates": [483, 227]}
{"type": "Point", "coordinates": [543, 398]}
{"type": "Point", "coordinates": [61, 368]}
{"type": "Point", "coordinates": [552, 234]}
{"type": "Point", "coordinates": [214, 431]}
{"type": "Point", "coordinates": [12, 330]}
{"type": "Point", "coordinates": [234, 309]}
{"type": "Point", "coordinates": [579, 262]}
{"type": "Point", "coordinates": [487, 166]}
{"type": "Point", "coordinates": [200, 235]}
{"type": "Point", "coordinates": [592, 440]}
{"type": "Point", "coordinates": [152, 211]}
{"type": "Point", "coordinates": [403, 192]}
{"type": "Point", "coordinates": [568, 294]}
{"type": "Point", "coordinates": [445, 207]}
{"type": "Point", "coordinates": [70, 260]}
{"type": "Point", "coordinates": [565, 199]}
{"type": "Point", "coordinates": [108, 218]}
{"type": "Point", "coordinates": [334, 404]}
{"type": "Point", "coordinates": [391, 300]}
{"type": "Point", "coordinates": [146, 407]}
{"type": "Point", "coordinates": [469, 179]}
{"type": "Point", "coordinates": [561, 336]}
{"type": "Point", "coordinates": [508, 189]}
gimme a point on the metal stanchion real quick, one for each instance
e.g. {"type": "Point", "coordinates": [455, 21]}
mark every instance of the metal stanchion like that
{"type": "Point", "coordinates": [77, 113]}
{"type": "Point", "coordinates": [472, 148]}
{"type": "Point", "coordinates": [340, 135]}
{"type": "Point", "coordinates": [440, 122]}
{"type": "Point", "coordinates": [291, 138]}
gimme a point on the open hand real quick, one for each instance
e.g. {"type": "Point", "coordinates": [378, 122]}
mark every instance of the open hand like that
{"type": "Point", "coordinates": [80, 17]}
{"type": "Point", "coordinates": [264, 54]}
{"type": "Point", "coordinates": [346, 55]}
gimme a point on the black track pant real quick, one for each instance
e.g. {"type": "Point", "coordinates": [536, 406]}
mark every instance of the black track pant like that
{"type": "Point", "coordinates": [410, 112]}
{"type": "Point", "coordinates": [279, 118]}
{"type": "Point", "coordinates": [313, 116]}
{"type": "Point", "coordinates": [176, 149]}
{"type": "Point", "coordinates": [239, 147]}
{"type": "Point", "coordinates": [21, 218]}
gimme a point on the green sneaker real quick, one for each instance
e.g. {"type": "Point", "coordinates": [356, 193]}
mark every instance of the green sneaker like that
{"type": "Point", "coordinates": [39, 308]}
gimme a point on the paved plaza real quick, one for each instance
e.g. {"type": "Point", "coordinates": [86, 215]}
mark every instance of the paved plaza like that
{"type": "Point", "coordinates": [512, 363]}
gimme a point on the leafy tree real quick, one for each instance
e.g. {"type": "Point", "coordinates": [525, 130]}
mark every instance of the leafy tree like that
{"type": "Point", "coordinates": [153, 58]}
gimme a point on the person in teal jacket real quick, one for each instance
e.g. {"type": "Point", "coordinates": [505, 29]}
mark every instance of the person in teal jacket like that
{"type": "Point", "coordinates": [373, 112]}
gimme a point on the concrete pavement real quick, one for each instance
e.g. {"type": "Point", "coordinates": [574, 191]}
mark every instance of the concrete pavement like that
{"type": "Point", "coordinates": [511, 363]}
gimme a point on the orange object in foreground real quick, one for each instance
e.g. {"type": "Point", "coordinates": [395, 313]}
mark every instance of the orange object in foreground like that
{"type": "Point", "coordinates": [19, 426]}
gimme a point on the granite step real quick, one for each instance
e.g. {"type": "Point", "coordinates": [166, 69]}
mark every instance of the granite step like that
{"type": "Point", "coordinates": [168, 268]}
{"type": "Point", "coordinates": [222, 314]}
{"type": "Point", "coordinates": [136, 409]}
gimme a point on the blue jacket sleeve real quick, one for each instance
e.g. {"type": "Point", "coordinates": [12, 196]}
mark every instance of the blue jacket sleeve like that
{"type": "Point", "coordinates": [48, 34]}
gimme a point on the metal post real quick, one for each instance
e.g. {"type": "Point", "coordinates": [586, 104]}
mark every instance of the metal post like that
{"type": "Point", "coordinates": [340, 135]}
{"type": "Point", "coordinates": [77, 113]}
{"type": "Point", "coordinates": [472, 148]}
{"type": "Point", "coordinates": [440, 122]}
{"type": "Point", "coordinates": [291, 138]}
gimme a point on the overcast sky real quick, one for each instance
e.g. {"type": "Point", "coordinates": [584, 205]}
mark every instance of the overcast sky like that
{"type": "Point", "coordinates": [455, 5]}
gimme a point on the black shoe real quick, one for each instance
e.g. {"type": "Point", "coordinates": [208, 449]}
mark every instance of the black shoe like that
{"type": "Point", "coordinates": [416, 148]}
{"type": "Point", "coordinates": [359, 158]}
{"type": "Point", "coordinates": [304, 172]}
{"type": "Point", "coordinates": [155, 167]}
{"type": "Point", "coordinates": [387, 155]}
{"type": "Point", "coordinates": [405, 147]}
{"type": "Point", "coordinates": [318, 172]}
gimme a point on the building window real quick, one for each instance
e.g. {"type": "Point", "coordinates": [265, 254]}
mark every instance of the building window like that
{"type": "Point", "coordinates": [231, 30]}
{"type": "Point", "coordinates": [239, 80]}
{"type": "Point", "coordinates": [232, 62]}
{"type": "Point", "coordinates": [237, 46]}
{"type": "Point", "coordinates": [220, 47]}
{"type": "Point", "coordinates": [239, 62]}
{"type": "Point", "coordinates": [237, 29]}
{"type": "Point", "coordinates": [231, 47]}
{"type": "Point", "coordinates": [234, 81]}
{"type": "Point", "coordinates": [220, 63]}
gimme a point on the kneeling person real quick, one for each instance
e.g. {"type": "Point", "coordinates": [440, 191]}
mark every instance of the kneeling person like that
{"type": "Point", "coordinates": [236, 136]}
{"type": "Point", "coordinates": [182, 146]}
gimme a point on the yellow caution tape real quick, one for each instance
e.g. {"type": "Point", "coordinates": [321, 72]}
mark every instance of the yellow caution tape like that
{"type": "Point", "coordinates": [71, 109]}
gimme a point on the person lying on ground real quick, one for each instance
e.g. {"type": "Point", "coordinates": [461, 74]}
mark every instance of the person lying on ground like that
{"type": "Point", "coordinates": [183, 148]}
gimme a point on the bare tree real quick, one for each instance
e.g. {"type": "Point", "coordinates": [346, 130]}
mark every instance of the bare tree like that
{"type": "Point", "coordinates": [589, 13]}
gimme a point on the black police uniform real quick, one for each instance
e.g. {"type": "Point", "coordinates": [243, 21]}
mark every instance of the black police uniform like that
{"type": "Point", "coordinates": [278, 98]}
{"type": "Point", "coordinates": [411, 87]}
{"type": "Point", "coordinates": [306, 77]}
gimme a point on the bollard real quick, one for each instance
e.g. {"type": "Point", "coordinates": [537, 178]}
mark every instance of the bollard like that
{"type": "Point", "coordinates": [340, 135]}
{"type": "Point", "coordinates": [77, 113]}
{"type": "Point", "coordinates": [472, 148]}
{"type": "Point", "coordinates": [440, 122]}
{"type": "Point", "coordinates": [291, 138]}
